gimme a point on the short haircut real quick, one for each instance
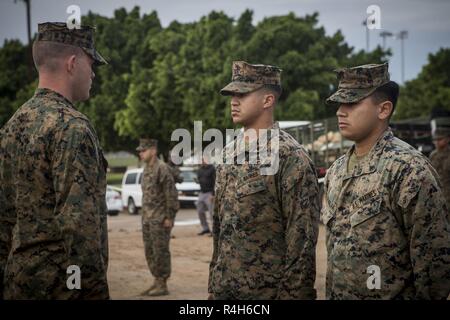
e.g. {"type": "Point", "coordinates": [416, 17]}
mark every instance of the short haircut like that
{"type": "Point", "coordinates": [48, 54]}
{"type": "Point", "coordinates": [273, 88]}
{"type": "Point", "coordinates": [387, 92]}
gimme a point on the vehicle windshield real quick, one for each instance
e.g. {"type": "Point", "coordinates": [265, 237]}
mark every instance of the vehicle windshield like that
{"type": "Point", "coordinates": [188, 176]}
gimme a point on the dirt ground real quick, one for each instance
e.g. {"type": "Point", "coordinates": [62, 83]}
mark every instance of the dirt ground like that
{"type": "Point", "coordinates": [128, 274]}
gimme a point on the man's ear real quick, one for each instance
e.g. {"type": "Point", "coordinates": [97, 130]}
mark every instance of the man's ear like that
{"type": "Point", "coordinates": [70, 63]}
{"type": "Point", "coordinates": [269, 100]}
{"type": "Point", "coordinates": [385, 110]}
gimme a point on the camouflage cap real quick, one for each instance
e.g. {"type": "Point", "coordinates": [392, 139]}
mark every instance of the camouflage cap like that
{"type": "Point", "coordinates": [83, 38]}
{"type": "Point", "coordinates": [441, 133]}
{"type": "Point", "coordinates": [359, 82]}
{"type": "Point", "coordinates": [250, 77]}
{"type": "Point", "coordinates": [145, 144]}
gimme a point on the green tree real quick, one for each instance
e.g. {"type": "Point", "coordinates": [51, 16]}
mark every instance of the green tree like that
{"type": "Point", "coordinates": [159, 79]}
{"type": "Point", "coordinates": [430, 90]}
{"type": "Point", "coordinates": [124, 40]}
{"type": "Point", "coordinates": [14, 77]}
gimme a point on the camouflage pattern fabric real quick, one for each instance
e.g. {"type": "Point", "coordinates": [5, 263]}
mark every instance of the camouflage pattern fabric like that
{"type": "Point", "coordinates": [441, 162]}
{"type": "Point", "coordinates": [265, 228]}
{"type": "Point", "coordinates": [83, 37]}
{"type": "Point", "coordinates": [388, 212]}
{"type": "Point", "coordinates": [176, 173]}
{"type": "Point", "coordinates": [249, 77]}
{"type": "Point", "coordinates": [359, 82]}
{"type": "Point", "coordinates": [159, 202]}
{"type": "Point", "coordinates": [53, 209]}
{"type": "Point", "coordinates": [156, 245]}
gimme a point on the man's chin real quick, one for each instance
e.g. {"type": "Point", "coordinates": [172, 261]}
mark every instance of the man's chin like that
{"type": "Point", "coordinates": [347, 135]}
{"type": "Point", "coordinates": [83, 98]}
{"type": "Point", "coordinates": [236, 120]}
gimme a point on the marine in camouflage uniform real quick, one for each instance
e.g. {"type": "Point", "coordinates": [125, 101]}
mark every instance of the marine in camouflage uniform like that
{"type": "Point", "coordinates": [265, 227]}
{"type": "Point", "coordinates": [386, 210]}
{"type": "Point", "coordinates": [52, 193]}
{"type": "Point", "coordinates": [159, 205]}
{"type": "Point", "coordinates": [440, 159]}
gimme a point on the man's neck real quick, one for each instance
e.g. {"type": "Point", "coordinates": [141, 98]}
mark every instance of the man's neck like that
{"type": "Point", "coordinates": [56, 85]}
{"type": "Point", "coordinates": [256, 126]}
{"type": "Point", "coordinates": [152, 160]}
{"type": "Point", "coordinates": [363, 147]}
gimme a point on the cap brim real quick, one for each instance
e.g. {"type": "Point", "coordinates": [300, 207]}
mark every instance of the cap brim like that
{"type": "Point", "coordinates": [139, 149]}
{"type": "Point", "coordinates": [94, 54]}
{"type": "Point", "coordinates": [239, 87]}
{"type": "Point", "coordinates": [349, 95]}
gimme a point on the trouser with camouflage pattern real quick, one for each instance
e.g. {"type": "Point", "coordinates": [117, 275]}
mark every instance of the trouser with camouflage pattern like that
{"type": "Point", "coordinates": [156, 244]}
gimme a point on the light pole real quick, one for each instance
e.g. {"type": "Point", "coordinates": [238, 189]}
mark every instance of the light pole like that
{"type": "Point", "coordinates": [27, 5]}
{"type": "Point", "coordinates": [402, 35]}
{"type": "Point", "coordinates": [367, 35]}
{"type": "Point", "coordinates": [384, 35]}
{"type": "Point", "coordinates": [364, 23]}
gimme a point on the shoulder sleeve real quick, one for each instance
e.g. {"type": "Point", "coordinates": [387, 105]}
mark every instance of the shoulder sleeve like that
{"type": "Point", "coordinates": [79, 183]}
{"type": "Point", "coordinates": [426, 221]}
{"type": "Point", "coordinates": [170, 191]}
{"type": "Point", "coordinates": [299, 192]}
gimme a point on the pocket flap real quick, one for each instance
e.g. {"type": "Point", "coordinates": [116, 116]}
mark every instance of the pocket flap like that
{"type": "Point", "coordinates": [368, 210]}
{"type": "Point", "coordinates": [251, 187]}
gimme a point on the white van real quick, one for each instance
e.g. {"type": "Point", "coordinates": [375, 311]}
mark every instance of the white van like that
{"type": "Point", "coordinates": [188, 190]}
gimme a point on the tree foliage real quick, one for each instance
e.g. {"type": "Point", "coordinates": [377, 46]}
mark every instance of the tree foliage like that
{"type": "Point", "coordinates": [429, 91]}
{"type": "Point", "coordinates": [159, 79]}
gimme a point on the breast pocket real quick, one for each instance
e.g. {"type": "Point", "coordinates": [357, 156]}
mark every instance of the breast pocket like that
{"type": "Point", "coordinates": [251, 187]}
{"type": "Point", "coordinates": [375, 229]}
{"type": "Point", "coordinates": [252, 206]}
{"type": "Point", "coordinates": [365, 211]}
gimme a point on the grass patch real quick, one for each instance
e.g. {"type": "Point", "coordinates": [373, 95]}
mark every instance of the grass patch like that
{"type": "Point", "coordinates": [122, 162]}
{"type": "Point", "coordinates": [114, 179]}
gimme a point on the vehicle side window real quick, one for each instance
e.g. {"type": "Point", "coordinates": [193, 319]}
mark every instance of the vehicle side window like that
{"type": "Point", "coordinates": [140, 178]}
{"type": "Point", "coordinates": [131, 178]}
{"type": "Point", "coordinates": [189, 176]}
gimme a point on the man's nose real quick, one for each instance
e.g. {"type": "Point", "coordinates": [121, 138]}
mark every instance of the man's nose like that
{"type": "Point", "coordinates": [234, 101]}
{"type": "Point", "coordinates": [341, 111]}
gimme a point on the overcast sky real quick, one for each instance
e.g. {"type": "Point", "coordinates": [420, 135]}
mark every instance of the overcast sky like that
{"type": "Point", "coordinates": [428, 22]}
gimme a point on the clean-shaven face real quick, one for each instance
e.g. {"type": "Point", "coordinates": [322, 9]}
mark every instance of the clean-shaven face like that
{"type": "Point", "coordinates": [357, 120]}
{"type": "Point", "coordinates": [247, 107]}
{"type": "Point", "coordinates": [83, 76]}
{"type": "Point", "coordinates": [147, 154]}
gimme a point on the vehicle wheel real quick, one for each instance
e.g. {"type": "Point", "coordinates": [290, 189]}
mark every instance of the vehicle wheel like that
{"type": "Point", "coordinates": [132, 209]}
{"type": "Point", "coordinates": [113, 213]}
